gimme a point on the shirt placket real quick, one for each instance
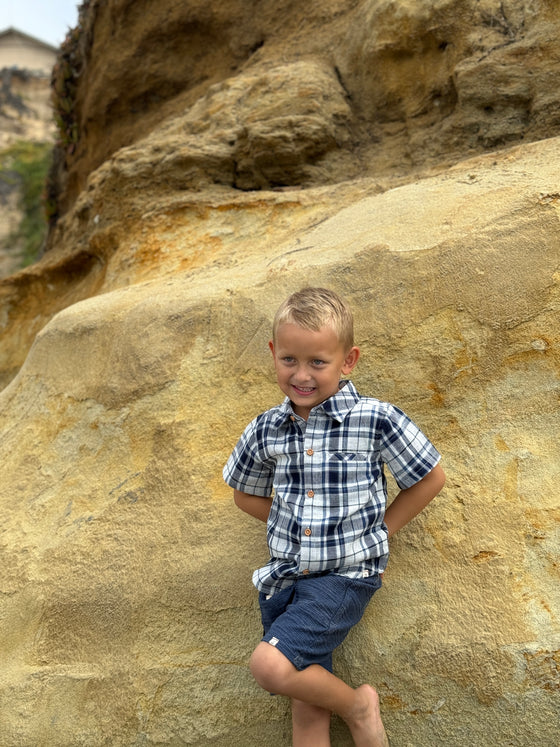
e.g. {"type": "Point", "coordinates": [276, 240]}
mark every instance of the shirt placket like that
{"type": "Point", "coordinates": [311, 488]}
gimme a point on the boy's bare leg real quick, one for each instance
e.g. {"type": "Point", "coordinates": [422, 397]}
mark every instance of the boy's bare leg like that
{"type": "Point", "coordinates": [317, 686]}
{"type": "Point", "coordinates": [310, 725]}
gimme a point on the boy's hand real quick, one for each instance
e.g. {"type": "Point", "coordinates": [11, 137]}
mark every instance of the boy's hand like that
{"type": "Point", "coordinates": [411, 501]}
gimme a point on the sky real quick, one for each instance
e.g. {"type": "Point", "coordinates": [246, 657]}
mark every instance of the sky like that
{"type": "Point", "coordinates": [47, 20]}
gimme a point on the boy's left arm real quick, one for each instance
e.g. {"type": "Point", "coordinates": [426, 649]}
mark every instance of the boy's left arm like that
{"type": "Point", "coordinates": [410, 501]}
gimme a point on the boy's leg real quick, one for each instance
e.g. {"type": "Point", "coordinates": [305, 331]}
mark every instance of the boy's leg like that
{"type": "Point", "coordinates": [318, 687]}
{"type": "Point", "coordinates": [310, 725]}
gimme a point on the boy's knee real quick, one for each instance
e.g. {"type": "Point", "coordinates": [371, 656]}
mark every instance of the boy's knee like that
{"type": "Point", "coordinates": [270, 667]}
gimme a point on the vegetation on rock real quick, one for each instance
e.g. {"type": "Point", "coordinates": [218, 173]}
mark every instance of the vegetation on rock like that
{"type": "Point", "coordinates": [24, 166]}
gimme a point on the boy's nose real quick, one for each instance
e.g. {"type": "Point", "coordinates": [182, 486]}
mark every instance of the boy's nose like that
{"type": "Point", "coordinates": [302, 374]}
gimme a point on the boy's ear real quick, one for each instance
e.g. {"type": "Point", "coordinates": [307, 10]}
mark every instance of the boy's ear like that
{"type": "Point", "coordinates": [350, 360]}
{"type": "Point", "coordinates": [271, 346]}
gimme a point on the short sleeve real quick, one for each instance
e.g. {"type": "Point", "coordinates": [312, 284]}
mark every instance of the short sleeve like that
{"type": "Point", "coordinates": [406, 451]}
{"type": "Point", "coordinates": [246, 469]}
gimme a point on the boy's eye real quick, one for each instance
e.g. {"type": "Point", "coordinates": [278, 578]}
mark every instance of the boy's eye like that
{"type": "Point", "coordinates": [317, 362]}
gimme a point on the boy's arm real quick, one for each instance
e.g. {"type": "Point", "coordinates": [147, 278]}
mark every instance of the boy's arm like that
{"type": "Point", "coordinates": [411, 501]}
{"type": "Point", "coordinates": [253, 504]}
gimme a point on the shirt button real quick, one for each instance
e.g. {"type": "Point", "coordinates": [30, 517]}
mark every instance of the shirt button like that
{"type": "Point", "coordinates": [310, 452]}
{"type": "Point", "coordinates": [308, 532]}
{"type": "Point", "coordinates": [310, 493]}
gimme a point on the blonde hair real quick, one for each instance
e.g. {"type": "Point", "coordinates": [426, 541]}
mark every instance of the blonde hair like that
{"type": "Point", "coordinates": [314, 308]}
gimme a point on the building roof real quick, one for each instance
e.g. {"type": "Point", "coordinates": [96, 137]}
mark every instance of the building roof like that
{"type": "Point", "coordinates": [11, 31]}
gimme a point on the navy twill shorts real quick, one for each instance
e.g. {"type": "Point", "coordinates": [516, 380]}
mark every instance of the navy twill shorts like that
{"type": "Point", "coordinates": [309, 619]}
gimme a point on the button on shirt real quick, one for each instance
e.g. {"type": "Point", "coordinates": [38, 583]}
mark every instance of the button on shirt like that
{"type": "Point", "coordinates": [326, 475]}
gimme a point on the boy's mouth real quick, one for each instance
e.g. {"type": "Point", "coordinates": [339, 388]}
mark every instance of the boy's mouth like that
{"type": "Point", "coordinates": [303, 389]}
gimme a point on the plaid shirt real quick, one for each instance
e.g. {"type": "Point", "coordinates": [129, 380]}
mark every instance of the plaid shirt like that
{"type": "Point", "coordinates": [326, 475]}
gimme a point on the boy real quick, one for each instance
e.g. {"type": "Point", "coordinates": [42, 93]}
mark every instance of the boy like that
{"type": "Point", "coordinates": [320, 455]}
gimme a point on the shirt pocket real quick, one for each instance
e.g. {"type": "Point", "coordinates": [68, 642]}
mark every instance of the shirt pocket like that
{"type": "Point", "coordinates": [349, 476]}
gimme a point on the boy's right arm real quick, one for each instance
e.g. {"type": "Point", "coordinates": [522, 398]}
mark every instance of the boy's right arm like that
{"type": "Point", "coordinates": [253, 504]}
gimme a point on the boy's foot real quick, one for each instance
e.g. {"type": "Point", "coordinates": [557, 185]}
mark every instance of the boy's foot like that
{"type": "Point", "coordinates": [365, 724]}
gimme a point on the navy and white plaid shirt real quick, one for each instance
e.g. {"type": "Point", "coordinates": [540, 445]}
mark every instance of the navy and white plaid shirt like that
{"type": "Point", "coordinates": [326, 475]}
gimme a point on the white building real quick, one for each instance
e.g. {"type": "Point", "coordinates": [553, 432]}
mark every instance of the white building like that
{"type": "Point", "coordinates": [24, 52]}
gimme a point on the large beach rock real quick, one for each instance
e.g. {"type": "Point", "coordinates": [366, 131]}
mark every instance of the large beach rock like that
{"type": "Point", "coordinates": [426, 83]}
{"type": "Point", "coordinates": [127, 613]}
{"type": "Point", "coordinates": [222, 155]}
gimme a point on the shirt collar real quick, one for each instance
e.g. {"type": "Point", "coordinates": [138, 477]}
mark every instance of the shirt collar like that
{"type": "Point", "coordinates": [336, 407]}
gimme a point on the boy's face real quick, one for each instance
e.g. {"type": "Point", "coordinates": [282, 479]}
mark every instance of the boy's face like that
{"type": "Point", "coordinates": [309, 364]}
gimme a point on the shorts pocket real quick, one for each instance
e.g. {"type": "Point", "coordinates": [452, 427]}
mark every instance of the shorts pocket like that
{"type": "Point", "coordinates": [274, 606]}
{"type": "Point", "coordinates": [361, 591]}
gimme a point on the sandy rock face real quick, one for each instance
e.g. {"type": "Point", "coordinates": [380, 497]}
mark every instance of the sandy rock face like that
{"type": "Point", "coordinates": [255, 131]}
{"type": "Point", "coordinates": [291, 145]}
{"type": "Point", "coordinates": [127, 610]}
{"type": "Point", "coordinates": [425, 82]}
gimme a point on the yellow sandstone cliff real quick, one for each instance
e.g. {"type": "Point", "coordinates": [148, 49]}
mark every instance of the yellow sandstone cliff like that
{"type": "Point", "coordinates": [222, 155]}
